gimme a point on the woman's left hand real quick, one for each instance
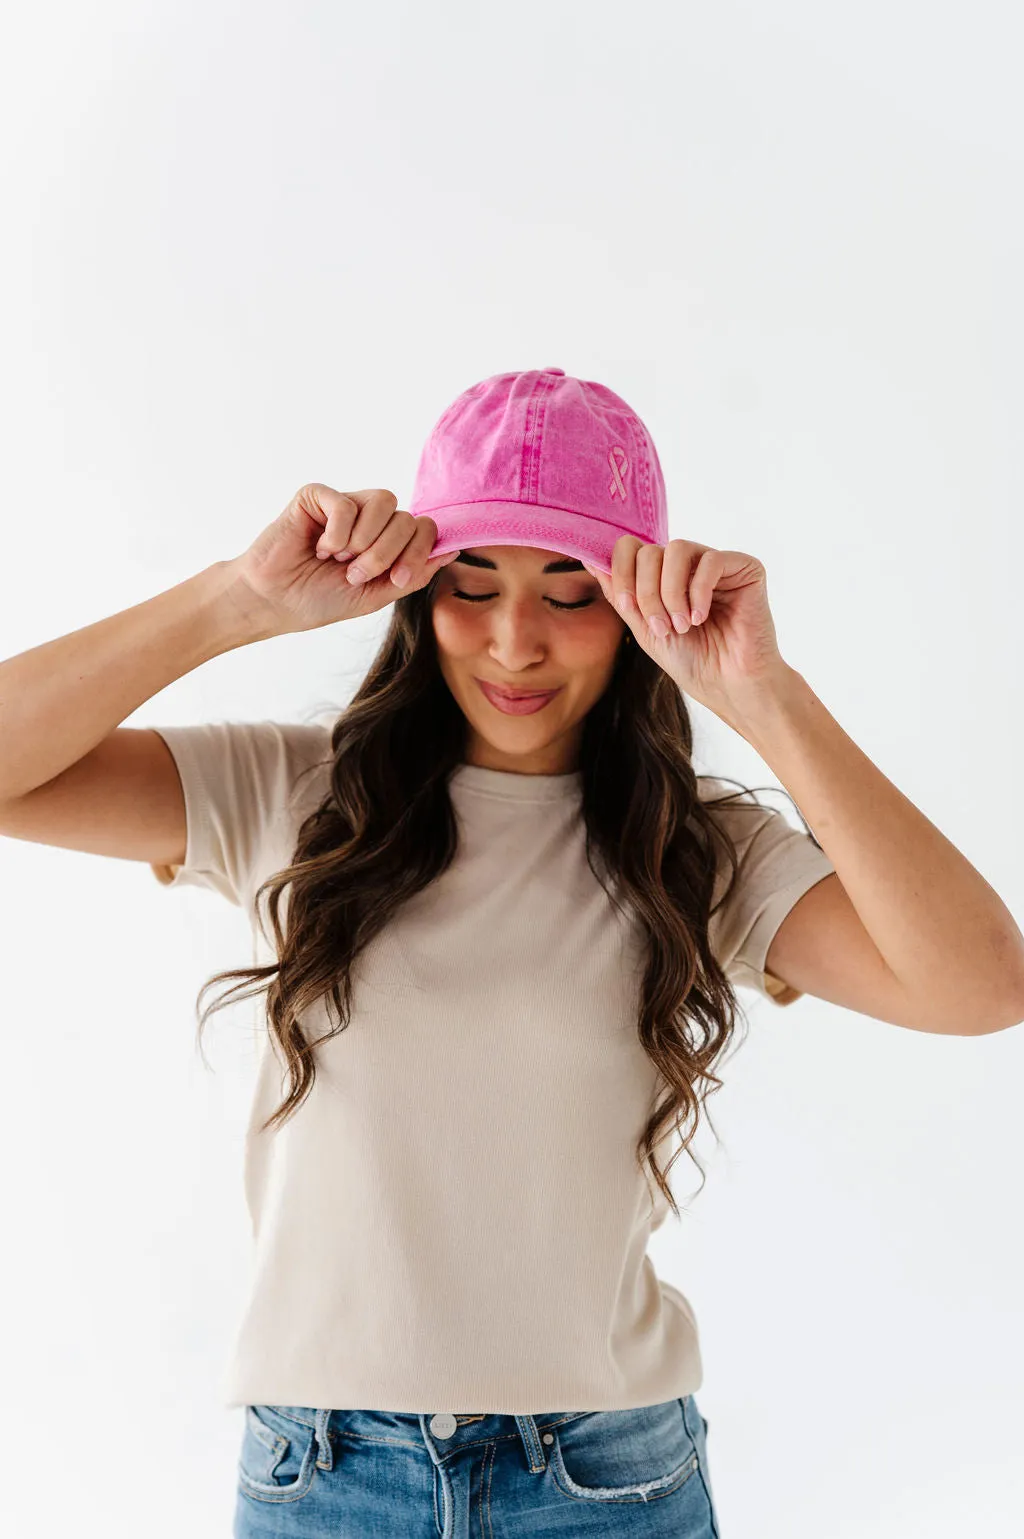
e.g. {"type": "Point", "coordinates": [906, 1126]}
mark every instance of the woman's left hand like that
{"type": "Point", "coordinates": [726, 643]}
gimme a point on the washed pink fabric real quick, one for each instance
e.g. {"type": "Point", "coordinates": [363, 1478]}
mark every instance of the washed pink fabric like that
{"type": "Point", "coordinates": [541, 458]}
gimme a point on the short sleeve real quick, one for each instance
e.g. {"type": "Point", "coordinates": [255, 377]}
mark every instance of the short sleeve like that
{"type": "Point", "coordinates": [242, 786]}
{"type": "Point", "coordinates": [777, 864]}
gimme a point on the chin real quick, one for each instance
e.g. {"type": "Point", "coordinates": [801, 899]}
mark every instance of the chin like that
{"type": "Point", "coordinates": [516, 740]}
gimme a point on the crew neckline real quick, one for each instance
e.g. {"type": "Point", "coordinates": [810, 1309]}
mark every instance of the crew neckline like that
{"type": "Point", "coordinates": [513, 786]}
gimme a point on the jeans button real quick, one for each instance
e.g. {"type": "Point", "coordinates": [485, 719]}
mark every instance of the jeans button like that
{"type": "Point", "coordinates": [443, 1424]}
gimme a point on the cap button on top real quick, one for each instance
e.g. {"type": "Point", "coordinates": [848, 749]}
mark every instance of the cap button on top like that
{"type": "Point", "coordinates": [553, 371]}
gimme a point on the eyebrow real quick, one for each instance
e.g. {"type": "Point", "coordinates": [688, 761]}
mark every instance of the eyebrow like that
{"type": "Point", "coordinates": [567, 564]}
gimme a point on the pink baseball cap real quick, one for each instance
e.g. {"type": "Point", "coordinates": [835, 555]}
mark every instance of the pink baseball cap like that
{"type": "Point", "coordinates": [541, 458]}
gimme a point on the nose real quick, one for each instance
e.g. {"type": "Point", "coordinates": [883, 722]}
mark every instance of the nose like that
{"type": "Point", "coordinates": [516, 639]}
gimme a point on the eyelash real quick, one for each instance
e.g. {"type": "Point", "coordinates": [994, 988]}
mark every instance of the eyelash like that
{"type": "Point", "coordinates": [478, 598]}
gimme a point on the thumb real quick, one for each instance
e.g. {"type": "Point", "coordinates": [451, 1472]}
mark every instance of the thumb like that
{"type": "Point", "coordinates": [431, 567]}
{"type": "Point", "coordinates": [604, 580]}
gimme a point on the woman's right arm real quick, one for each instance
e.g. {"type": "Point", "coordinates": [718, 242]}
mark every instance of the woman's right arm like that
{"type": "Point", "coordinates": [70, 775]}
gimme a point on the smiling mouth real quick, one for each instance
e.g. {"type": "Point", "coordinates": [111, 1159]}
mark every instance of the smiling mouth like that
{"type": "Point", "coordinates": [523, 702]}
{"type": "Point", "coordinates": [515, 694]}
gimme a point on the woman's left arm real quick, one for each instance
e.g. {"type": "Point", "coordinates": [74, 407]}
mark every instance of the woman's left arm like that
{"type": "Point", "coordinates": [907, 929]}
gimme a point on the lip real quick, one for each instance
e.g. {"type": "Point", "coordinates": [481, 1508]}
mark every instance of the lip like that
{"type": "Point", "coordinates": [516, 702]}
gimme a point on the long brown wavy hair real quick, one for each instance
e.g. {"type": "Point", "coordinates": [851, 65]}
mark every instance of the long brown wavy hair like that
{"type": "Point", "coordinates": [386, 828]}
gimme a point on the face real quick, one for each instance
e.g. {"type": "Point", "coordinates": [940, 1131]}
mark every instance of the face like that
{"type": "Point", "coordinates": [521, 618]}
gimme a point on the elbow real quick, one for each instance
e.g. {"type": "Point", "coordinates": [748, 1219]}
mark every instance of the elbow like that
{"type": "Point", "coordinates": [1004, 991]}
{"type": "Point", "coordinates": [982, 1014]}
{"type": "Point", "coordinates": [1011, 1015]}
{"type": "Point", "coordinates": [1001, 1013]}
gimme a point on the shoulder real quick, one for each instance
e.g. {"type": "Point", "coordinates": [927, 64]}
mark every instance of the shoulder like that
{"type": "Point", "coordinates": [734, 807]}
{"type": "Point", "coordinates": [773, 848]}
{"type": "Point", "coordinates": [249, 756]}
{"type": "Point", "coordinates": [247, 785]}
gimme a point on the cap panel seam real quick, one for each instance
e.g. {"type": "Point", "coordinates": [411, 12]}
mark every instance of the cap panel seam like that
{"type": "Point", "coordinates": [641, 465]}
{"type": "Point", "coordinates": [646, 461]}
{"type": "Point", "coordinates": [533, 437]}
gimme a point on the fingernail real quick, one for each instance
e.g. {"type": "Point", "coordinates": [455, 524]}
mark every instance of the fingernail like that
{"type": "Point", "coordinates": [322, 555]}
{"type": "Point", "coordinates": [696, 617]}
{"type": "Point", "coordinates": [400, 576]}
{"type": "Point", "coordinates": [624, 603]}
{"type": "Point", "coordinates": [658, 625]}
{"type": "Point", "coordinates": [681, 623]}
{"type": "Point", "coordinates": [355, 574]}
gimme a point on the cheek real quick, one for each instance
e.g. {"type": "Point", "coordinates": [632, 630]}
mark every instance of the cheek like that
{"type": "Point", "coordinates": [582, 644]}
{"type": "Point", "coordinates": [456, 627]}
{"type": "Point", "coordinates": [592, 642]}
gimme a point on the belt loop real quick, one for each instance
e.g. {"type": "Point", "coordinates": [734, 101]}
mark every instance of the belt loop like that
{"type": "Point", "coordinates": [535, 1456]}
{"type": "Point", "coordinates": [325, 1458]}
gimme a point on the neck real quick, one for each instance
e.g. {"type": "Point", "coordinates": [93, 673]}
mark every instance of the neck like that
{"type": "Point", "coordinates": [560, 757]}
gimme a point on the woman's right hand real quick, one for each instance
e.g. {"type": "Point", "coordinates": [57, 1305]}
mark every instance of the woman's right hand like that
{"type": "Point", "coordinates": [292, 569]}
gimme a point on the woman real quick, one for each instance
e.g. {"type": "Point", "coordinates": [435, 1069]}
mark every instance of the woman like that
{"type": "Point", "coordinates": [498, 921]}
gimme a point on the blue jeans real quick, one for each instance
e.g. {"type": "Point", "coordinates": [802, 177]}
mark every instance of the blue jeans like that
{"type": "Point", "coordinates": [320, 1474]}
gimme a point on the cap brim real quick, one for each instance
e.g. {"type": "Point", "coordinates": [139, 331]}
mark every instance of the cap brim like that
{"type": "Point", "coordinates": [464, 525]}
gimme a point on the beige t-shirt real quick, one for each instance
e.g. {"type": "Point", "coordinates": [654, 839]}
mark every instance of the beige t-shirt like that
{"type": "Point", "coordinates": [454, 1219]}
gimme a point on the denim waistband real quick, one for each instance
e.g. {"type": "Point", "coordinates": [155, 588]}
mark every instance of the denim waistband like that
{"type": "Point", "coordinates": [442, 1433]}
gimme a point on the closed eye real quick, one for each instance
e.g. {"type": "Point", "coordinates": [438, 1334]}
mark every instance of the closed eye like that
{"type": "Point", "coordinates": [478, 598]}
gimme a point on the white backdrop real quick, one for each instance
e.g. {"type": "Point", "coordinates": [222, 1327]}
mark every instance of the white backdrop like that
{"type": "Point", "coordinates": [249, 247]}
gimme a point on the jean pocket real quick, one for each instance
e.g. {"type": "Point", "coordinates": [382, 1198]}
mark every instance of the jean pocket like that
{"type": "Point", "coordinates": [615, 1456]}
{"type": "Point", "coordinates": [278, 1458]}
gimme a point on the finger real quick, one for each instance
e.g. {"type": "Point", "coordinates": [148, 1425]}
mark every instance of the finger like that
{"type": "Point", "coordinates": [357, 520]}
{"type": "Point", "coordinates": [323, 506]}
{"type": "Point", "coordinates": [649, 561]}
{"type": "Point", "coordinates": [624, 576]}
{"type": "Point", "coordinates": [415, 564]}
{"type": "Point", "coordinates": [702, 583]}
{"type": "Point", "coordinates": [680, 558]}
{"type": "Point", "coordinates": [385, 549]}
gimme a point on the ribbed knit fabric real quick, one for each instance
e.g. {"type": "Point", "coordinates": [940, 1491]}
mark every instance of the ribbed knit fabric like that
{"type": "Point", "coordinates": [455, 1218]}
